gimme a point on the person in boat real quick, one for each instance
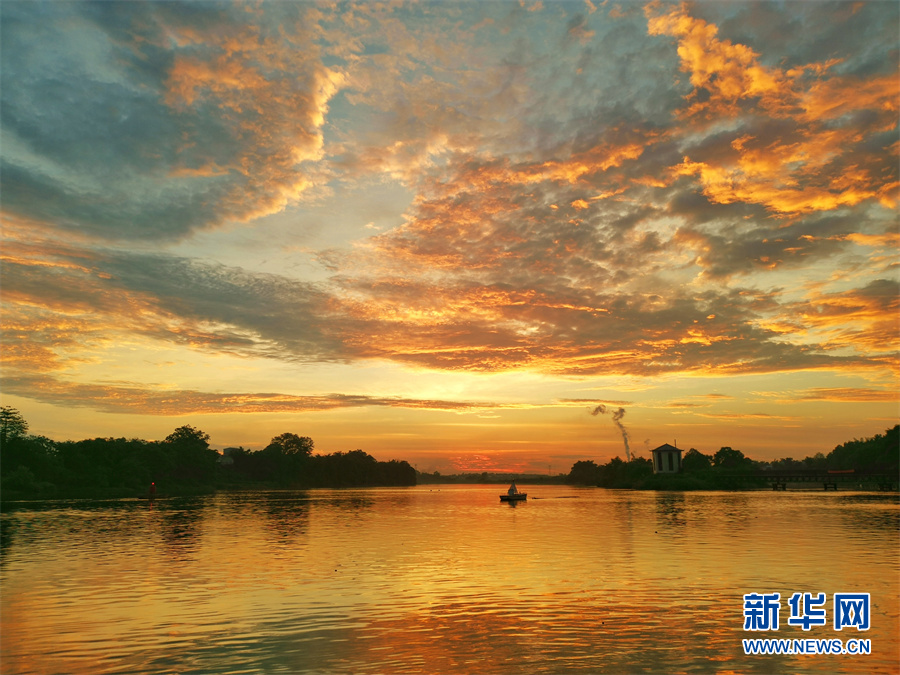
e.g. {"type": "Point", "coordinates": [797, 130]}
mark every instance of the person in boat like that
{"type": "Point", "coordinates": [512, 489]}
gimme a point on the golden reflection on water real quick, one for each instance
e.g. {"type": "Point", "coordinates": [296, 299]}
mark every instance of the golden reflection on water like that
{"type": "Point", "coordinates": [437, 579]}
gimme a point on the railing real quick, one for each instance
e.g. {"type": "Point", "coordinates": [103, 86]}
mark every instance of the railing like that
{"type": "Point", "coordinates": [830, 479]}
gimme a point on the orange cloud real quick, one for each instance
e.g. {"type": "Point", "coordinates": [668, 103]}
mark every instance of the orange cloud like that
{"type": "Point", "coordinates": [887, 240]}
{"type": "Point", "coordinates": [578, 167]}
{"type": "Point", "coordinates": [272, 97]}
{"type": "Point", "coordinates": [223, 78]}
{"type": "Point", "coordinates": [848, 394]}
{"type": "Point", "coordinates": [760, 417]}
{"type": "Point", "coordinates": [728, 72]}
{"type": "Point", "coordinates": [59, 315]}
{"type": "Point", "coordinates": [33, 343]}
{"type": "Point", "coordinates": [816, 162]}
{"type": "Point", "coordinates": [768, 184]}
{"type": "Point", "coordinates": [865, 319]}
{"type": "Point", "coordinates": [831, 98]}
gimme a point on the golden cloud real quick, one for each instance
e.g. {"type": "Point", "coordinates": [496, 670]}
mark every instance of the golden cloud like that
{"type": "Point", "coordinates": [865, 319]}
{"type": "Point", "coordinates": [816, 162]}
{"type": "Point", "coordinates": [727, 71]}
{"type": "Point", "coordinates": [271, 96]}
{"type": "Point", "coordinates": [848, 394]}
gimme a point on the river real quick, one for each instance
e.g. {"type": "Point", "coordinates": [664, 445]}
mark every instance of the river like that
{"type": "Point", "coordinates": [442, 579]}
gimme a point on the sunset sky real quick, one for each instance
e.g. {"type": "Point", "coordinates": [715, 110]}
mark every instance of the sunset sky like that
{"type": "Point", "coordinates": [446, 232]}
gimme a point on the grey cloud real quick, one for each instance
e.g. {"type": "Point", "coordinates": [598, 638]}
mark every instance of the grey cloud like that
{"type": "Point", "coordinates": [802, 33]}
{"type": "Point", "coordinates": [726, 249]}
{"type": "Point", "coordinates": [576, 28]}
{"type": "Point", "coordinates": [84, 148]}
{"type": "Point", "coordinates": [184, 300]}
{"type": "Point", "coordinates": [683, 200]}
{"type": "Point", "coordinates": [288, 315]}
{"type": "Point", "coordinates": [93, 143]}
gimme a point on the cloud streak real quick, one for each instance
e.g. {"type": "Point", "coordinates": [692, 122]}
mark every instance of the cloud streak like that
{"type": "Point", "coordinates": [135, 398]}
{"type": "Point", "coordinates": [444, 326]}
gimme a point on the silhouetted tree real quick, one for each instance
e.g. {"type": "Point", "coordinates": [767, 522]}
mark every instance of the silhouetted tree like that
{"type": "Point", "coordinates": [188, 436]}
{"type": "Point", "coordinates": [878, 453]}
{"type": "Point", "coordinates": [12, 424]}
{"type": "Point", "coordinates": [609, 474]}
{"type": "Point", "coordinates": [694, 460]}
{"type": "Point", "coordinates": [105, 462]}
{"type": "Point", "coordinates": [619, 474]}
{"type": "Point", "coordinates": [33, 459]}
{"type": "Point", "coordinates": [728, 458]}
{"type": "Point", "coordinates": [192, 461]}
{"type": "Point", "coordinates": [584, 472]}
{"type": "Point", "coordinates": [358, 468]}
{"type": "Point", "coordinates": [285, 459]}
{"type": "Point", "coordinates": [817, 462]}
{"type": "Point", "coordinates": [292, 444]}
{"type": "Point", "coordinates": [786, 464]}
{"type": "Point", "coordinates": [397, 472]}
{"type": "Point", "coordinates": [37, 465]}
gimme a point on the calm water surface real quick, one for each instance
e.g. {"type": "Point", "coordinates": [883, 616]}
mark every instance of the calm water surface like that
{"type": "Point", "coordinates": [438, 579]}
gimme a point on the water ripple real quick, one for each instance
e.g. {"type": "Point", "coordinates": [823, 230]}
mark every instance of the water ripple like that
{"type": "Point", "coordinates": [415, 580]}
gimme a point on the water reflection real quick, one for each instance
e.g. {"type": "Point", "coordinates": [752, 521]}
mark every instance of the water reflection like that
{"type": "Point", "coordinates": [416, 580]}
{"type": "Point", "coordinates": [886, 499]}
{"type": "Point", "coordinates": [7, 528]}
{"type": "Point", "coordinates": [670, 509]}
{"type": "Point", "coordinates": [486, 633]}
{"type": "Point", "coordinates": [349, 502]}
{"type": "Point", "coordinates": [286, 515]}
{"type": "Point", "coordinates": [179, 527]}
{"type": "Point", "coordinates": [738, 510]}
{"type": "Point", "coordinates": [864, 514]}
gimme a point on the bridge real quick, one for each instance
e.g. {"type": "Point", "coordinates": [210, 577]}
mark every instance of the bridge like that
{"type": "Point", "coordinates": [829, 479]}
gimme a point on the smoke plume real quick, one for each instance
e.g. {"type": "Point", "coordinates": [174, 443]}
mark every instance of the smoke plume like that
{"type": "Point", "coordinates": [617, 420]}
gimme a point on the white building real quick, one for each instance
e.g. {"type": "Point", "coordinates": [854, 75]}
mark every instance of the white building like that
{"type": "Point", "coordinates": [666, 459]}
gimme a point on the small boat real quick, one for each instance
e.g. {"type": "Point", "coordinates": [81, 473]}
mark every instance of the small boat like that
{"type": "Point", "coordinates": [513, 494]}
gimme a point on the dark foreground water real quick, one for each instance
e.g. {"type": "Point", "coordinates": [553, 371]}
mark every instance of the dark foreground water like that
{"type": "Point", "coordinates": [439, 579]}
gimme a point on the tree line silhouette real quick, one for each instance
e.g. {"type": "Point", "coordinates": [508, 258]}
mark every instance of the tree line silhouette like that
{"type": "Point", "coordinates": [731, 469]}
{"type": "Point", "coordinates": [182, 463]}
